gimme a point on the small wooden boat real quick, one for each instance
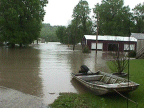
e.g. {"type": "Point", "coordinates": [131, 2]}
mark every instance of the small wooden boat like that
{"type": "Point", "coordinates": [103, 83]}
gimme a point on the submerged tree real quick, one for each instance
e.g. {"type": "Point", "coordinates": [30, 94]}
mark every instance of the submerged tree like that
{"type": "Point", "coordinates": [80, 25]}
{"type": "Point", "coordinates": [20, 20]}
{"type": "Point", "coordinates": [81, 16]}
{"type": "Point", "coordinates": [74, 32]}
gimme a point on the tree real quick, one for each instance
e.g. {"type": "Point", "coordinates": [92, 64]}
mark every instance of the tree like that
{"type": "Point", "coordinates": [114, 17]}
{"type": "Point", "coordinates": [74, 32]}
{"type": "Point", "coordinates": [81, 15]}
{"type": "Point", "coordinates": [48, 33]}
{"type": "Point", "coordinates": [138, 18]}
{"type": "Point", "coordinates": [80, 25]}
{"type": "Point", "coordinates": [21, 20]}
{"type": "Point", "coordinates": [61, 34]}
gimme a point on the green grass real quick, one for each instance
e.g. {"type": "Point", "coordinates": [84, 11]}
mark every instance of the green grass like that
{"type": "Point", "coordinates": [89, 100]}
{"type": "Point", "coordinates": [73, 100]}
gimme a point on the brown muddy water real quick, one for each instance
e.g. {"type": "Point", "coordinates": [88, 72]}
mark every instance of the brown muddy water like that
{"type": "Point", "coordinates": [44, 70]}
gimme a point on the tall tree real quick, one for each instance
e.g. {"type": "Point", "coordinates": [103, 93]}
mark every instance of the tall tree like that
{"type": "Point", "coordinates": [81, 15]}
{"type": "Point", "coordinates": [114, 17]}
{"type": "Point", "coordinates": [74, 32]}
{"type": "Point", "coordinates": [80, 25]}
{"type": "Point", "coordinates": [138, 12]}
{"type": "Point", "coordinates": [21, 20]}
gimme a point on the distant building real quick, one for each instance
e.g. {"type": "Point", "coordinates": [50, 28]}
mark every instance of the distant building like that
{"type": "Point", "coordinates": [40, 40]}
{"type": "Point", "coordinates": [140, 40]}
{"type": "Point", "coordinates": [109, 43]}
{"type": "Point", "coordinates": [140, 43]}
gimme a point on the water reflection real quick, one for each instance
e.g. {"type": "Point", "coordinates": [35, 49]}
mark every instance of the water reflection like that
{"type": "Point", "coordinates": [19, 69]}
{"type": "Point", "coordinates": [55, 70]}
{"type": "Point", "coordinates": [93, 61]}
{"type": "Point", "coordinates": [79, 87]}
{"type": "Point", "coordinates": [44, 70]}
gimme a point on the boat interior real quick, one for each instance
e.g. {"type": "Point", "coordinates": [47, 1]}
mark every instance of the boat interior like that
{"type": "Point", "coordinates": [103, 79]}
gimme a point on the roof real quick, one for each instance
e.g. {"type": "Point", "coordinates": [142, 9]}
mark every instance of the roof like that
{"type": "Point", "coordinates": [138, 36]}
{"type": "Point", "coordinates": [110, 38]}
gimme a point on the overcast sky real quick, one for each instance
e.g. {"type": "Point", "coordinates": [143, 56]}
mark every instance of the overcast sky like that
{"type": "Point", "coordinates": [59, 12]}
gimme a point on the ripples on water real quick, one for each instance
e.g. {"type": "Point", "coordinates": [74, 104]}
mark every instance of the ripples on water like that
{"type": "Point", "coordinates": [44, 70]}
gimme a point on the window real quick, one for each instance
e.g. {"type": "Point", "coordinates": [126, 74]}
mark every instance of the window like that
{"type": "Point", "coordinates": [99, 46]}
{"type": "Point", "coordinates": [126, 47]}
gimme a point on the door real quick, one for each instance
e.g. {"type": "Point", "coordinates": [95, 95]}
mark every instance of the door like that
{"type": "Point", "coordinates": [112, 47]}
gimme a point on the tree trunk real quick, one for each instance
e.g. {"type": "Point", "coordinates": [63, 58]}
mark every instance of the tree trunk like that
{"type": "Point", "coordinates": [13, 45]}
{"type": "Point", "coordinates": [20, 45]}
{"type": "Point", "coordinates": [73, 47]}
{"type": "Point", "coordinates": [37, 41]}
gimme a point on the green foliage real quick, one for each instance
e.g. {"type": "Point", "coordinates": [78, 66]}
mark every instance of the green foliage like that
{"type": "Point", "coordinates": [20, 21]}
{"type": "Point", "coordinates": [81, 21]}
{"type": "Point", "coordinates": [89, 100]}
{"type": "Point", "coordinates": [48, 33]}
{"type": "Point", "coordinates": [74, 32]}
{"type": "Point", "coordinates": [138, 18]}
{"type": "Point", "coordinates": [81, 14]}
{"type": "Point", "coordinates": [61, 34]}
{"type": "Point", "coordinates": [72, 100]}
{"type": "Point", "coordinates": [118, 64]}
{"type": "Point", "coordinates": [86, 49]}
{"type": "Point", "coordinates": [80, 25]}
{"type": "Point", "coordinates": [132, 53]}
{"type": "Point", "coordinates": [114, 17]}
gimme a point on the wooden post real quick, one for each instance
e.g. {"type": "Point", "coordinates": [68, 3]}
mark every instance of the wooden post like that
{"type": "Point", "coordinates": [97, 31]}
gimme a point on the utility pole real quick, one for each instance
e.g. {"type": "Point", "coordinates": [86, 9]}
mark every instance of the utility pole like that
{"type": "Point", "coordinates": [97, 31]}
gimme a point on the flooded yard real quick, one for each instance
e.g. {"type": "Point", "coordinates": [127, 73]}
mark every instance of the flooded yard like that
{"type": "Point", "coordinates": [44, 70]}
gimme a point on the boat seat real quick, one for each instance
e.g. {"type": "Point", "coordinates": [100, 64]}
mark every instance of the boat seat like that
{"type": "Point", "coordinates": [102, 78]}
{"type": "Point", "coordinates": [121, 81]}
{"type": "Point", "coordinates": [97, 82]}
{"type": "Point", "coordinates": [112, 80]}
{"type": "Point", "coordinates": [91, 77]}
{"type": "Point", "coordinates": [105, 79]}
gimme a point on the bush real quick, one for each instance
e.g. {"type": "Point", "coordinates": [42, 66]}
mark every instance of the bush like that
{"type": "Point", "coordinates": [86, 49]}
{"type": "Point", "coordinates": [1, 44]}
{"type": "Point", "coordinates": [132, 54]}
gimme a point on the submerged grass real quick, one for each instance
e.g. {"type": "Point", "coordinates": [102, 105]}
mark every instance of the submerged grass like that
{"type": "Point", "coordinates": [89, 100]}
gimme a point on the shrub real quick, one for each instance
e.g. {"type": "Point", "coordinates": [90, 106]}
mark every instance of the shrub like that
{"type": "Point", "coordinates": [132, 54]}
{"type": "Point", "coordinates": [119, 63]}
{"type": "Point", "coordinates": [86, 49]}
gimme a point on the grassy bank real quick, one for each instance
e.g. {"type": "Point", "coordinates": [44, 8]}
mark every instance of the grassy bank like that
{"type": "Point", "coordinates": [89, 100]}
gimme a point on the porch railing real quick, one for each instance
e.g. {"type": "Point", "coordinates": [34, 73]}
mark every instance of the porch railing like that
{"type": "Point", "coordinates": [140, 53]}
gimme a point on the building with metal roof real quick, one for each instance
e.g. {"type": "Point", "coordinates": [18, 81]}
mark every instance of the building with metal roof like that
{"type": "Point", "coordinates": [109, 43]}
{"type": "Point", "coordinates": [140, 44]}
{"type": "Point", "coordinates": [139, 36]}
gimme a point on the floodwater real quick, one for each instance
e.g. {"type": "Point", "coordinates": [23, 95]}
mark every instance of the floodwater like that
{"type": "Point", "coordinates": [44, 70]}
